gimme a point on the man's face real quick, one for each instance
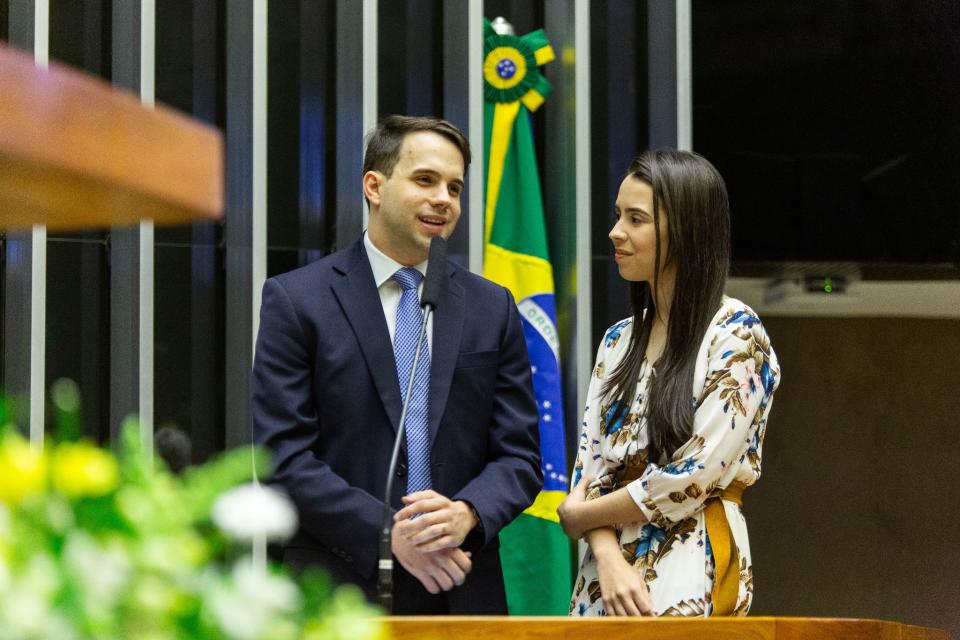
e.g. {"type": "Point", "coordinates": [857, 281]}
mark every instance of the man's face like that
{"type": "Point", "coordinates": [419, 200]}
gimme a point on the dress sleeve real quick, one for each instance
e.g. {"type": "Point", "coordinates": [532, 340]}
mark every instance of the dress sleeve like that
{"type": "Point", "coordinates": [741, 376]}
{"type": "Point", "coordinates": [589, 459]}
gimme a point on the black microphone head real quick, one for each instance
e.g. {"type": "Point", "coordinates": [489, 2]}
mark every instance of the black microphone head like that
{"type": "Point", "coordinates": [436, 273]}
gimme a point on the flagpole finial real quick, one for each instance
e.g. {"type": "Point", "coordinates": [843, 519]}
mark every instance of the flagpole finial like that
{"type": "Point", "coordinates": [502, 26]}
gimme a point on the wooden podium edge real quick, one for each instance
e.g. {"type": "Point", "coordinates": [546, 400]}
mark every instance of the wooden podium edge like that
{"type": "Point", "coordinates": [560, 628]}
{"type": "Point", "coordinates": [76, 152]}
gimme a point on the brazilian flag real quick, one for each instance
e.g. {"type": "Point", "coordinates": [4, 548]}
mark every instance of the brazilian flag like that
{"type": "Point", "coordinates": [534, 550]}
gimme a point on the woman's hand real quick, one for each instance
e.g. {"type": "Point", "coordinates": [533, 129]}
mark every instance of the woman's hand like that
{"type": "Point", "coordinates": [623, 590]}
{"type": "Point", "coordinates": [571, 508]}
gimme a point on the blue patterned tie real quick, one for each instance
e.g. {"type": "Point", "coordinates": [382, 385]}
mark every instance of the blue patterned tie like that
{"type": "Point", "coordinates": [409, 323]}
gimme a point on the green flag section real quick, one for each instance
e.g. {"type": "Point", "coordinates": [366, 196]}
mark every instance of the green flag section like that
{"type": "Point", "coordinates": [534, 551]}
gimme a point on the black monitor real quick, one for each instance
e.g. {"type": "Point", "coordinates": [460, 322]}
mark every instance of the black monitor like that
{"type": "Point", "coordinates": [836, 124]}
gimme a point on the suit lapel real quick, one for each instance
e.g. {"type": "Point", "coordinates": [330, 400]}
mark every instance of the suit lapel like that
{"type": "Point", "coordinates": [447, 328]}
{"type": "Point", "coordinates": [358, 296]}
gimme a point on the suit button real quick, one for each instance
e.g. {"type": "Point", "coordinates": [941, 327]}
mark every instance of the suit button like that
{"type": "Point", "coordinates": [401, 470]}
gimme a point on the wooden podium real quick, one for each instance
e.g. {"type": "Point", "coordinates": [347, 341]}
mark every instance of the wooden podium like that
{"type": "Point", "coordinates": [77, 153]}
{"type": "Point", "coordinates": [517, 628]}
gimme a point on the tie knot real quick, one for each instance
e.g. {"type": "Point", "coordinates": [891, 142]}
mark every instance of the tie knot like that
{"type": "Point", "coordinates": [408, 278]}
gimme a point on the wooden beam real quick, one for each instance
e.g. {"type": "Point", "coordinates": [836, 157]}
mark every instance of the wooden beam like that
{"type": "Point", "coordinates": [77, 153]}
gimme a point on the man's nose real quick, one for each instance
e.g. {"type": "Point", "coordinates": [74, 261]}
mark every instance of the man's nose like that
{"type": "Point", "coordinates": [441, 196]}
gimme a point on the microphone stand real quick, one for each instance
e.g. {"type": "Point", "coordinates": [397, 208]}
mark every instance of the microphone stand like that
{"type": "Point", "coordinates": [385, 563]}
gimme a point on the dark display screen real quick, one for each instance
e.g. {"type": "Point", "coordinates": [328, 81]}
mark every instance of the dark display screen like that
{"type": "Point", "coordinates": [835, 124]}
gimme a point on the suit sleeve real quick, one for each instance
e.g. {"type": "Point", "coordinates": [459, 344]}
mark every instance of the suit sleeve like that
{"type": "Point", "coordinates": [512, 476]}
{"type": "Point", "coordinates": [343, 518]}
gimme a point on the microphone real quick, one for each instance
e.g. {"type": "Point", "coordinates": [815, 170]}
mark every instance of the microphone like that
{"type": "Point", "coordinates": [432, 290]}
{"type": "Point", "coordinates": [436, 270]}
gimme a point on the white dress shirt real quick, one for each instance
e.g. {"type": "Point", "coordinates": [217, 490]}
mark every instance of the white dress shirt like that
{"type": "Point", "coordinates": [384, 267]}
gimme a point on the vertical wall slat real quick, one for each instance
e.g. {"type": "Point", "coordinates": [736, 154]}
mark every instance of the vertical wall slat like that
{"type": "Point", "coordinates": [20, 26]}
{"type": "Point", "coordinates": [457, 59]}
{"type": "Point", "coordinates": [125, 243]}
{"type": "Point", "coordinates": [560, 198]}
{"type": "Point", "coordinates": [18, 277]}
{"type": "Point", "coordinates": [18, 273]}
{"type": "Point", "coordinates": [239, 220]}
{"type": "Point", "coordinates": [475, 132]}
{"type": "Point", "coordinates": [584, 348]}
{"type": "Point", "coordinates": [38, 306]}
{"type": "Point", "coordinates": [26, 269]}
{"type": "Point", "coordinates": [350, 119]}
{"type": "Point", "coordinates": [259, 151]}
{"type": "Point", "coordinates": [684, 77]}
{"type": "Point", "coordinates": [41, 33]}
{"type": "Point", "coordinates": [314, 114]}
{"type": "Point", "coordinates": [207, 280]}
{"type": "Point", "coordinates": [38, 332]}
{"type": "Point", "coordinates": [370, 73]}
{"type": "Point", "coordinates": [146, 242]}
{"type": "Point", "coordinates": [662, 73]}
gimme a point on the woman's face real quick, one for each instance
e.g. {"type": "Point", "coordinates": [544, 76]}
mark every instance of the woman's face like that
{"type": "Point", "coordinates": [634, 234]}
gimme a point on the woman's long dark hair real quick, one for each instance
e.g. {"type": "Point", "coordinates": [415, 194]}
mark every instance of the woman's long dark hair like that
{"type": "Point", "coordinates": [693, 197]}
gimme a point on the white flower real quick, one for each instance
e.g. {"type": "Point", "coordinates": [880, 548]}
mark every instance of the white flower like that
{"type": "Point", "coordinates": [252, 602]}
{"type": "Point", "coordinates": [102, 570]}
{"type": "Point", "coordinates": [28, 610]}
{"type": "Point", "coordinates": [4, 576]}
{"type": "Point", "coordinates": [59, 514]}
{"type": "Point", "coordinates": [252, 511]}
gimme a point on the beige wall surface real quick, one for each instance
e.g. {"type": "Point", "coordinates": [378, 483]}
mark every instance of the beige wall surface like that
{"type": "Point", "coordinates": [858, 509]}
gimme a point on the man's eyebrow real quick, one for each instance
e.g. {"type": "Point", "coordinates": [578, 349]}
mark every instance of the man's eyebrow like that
{"type": "Point", "coordinates": [425, 170]}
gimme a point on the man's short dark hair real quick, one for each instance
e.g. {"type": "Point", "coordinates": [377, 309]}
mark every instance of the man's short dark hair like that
{"type": "Point", "coordinates": [383, 146]}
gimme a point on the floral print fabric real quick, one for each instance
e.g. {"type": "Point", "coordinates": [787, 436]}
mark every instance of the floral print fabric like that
{"type": "Point", "coordinates": [735, 377]}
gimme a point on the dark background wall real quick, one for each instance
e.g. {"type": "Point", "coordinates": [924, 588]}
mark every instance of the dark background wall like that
{"type": "Point", "coordinates": [856, 514]}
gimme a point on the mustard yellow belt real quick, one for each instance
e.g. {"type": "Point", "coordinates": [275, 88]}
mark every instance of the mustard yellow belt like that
{"type": "Point", "coordinates": [726, 584]}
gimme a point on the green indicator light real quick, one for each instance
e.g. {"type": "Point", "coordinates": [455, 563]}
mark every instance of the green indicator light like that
{"type": "Point", "coordinates": [827, 285]}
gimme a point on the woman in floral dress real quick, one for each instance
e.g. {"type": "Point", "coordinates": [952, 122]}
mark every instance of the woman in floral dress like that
{"type": "Point", "coordinates": [676, 410]}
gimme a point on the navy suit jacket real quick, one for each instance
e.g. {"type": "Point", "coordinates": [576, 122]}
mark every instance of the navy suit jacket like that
{"type": "Point", "coordinates": [327, 401]}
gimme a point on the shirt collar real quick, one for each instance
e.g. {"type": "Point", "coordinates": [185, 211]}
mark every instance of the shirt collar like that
{"type": "Point", "coordinates": [384, 266]}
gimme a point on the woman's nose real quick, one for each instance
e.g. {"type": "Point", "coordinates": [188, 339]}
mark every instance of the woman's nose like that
{"type": "Point", "coordinates": [615, 232]}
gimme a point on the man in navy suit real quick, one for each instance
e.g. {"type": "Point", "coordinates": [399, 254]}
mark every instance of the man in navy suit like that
{"type": "Point", "coordinates": [327, 396]}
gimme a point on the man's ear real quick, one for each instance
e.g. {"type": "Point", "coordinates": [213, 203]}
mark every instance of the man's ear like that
{"type": "Point", "coordinates": [372, 184]}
